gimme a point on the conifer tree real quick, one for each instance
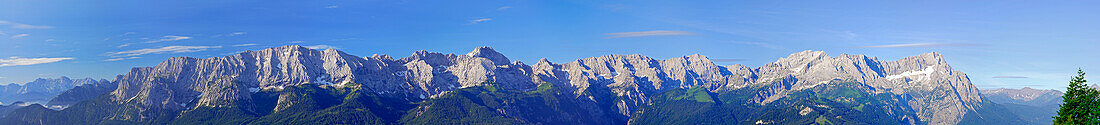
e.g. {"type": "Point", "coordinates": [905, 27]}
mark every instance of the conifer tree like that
{"type": "Point", "coordinates": [1080, 104]}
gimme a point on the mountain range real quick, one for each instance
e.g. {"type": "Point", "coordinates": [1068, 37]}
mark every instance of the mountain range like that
{"type": "Point", "coordinates": [298, 85]}
{"type": "Point", "coordinates": [1035, 105]}
{"type": "Point", "coordinates": [41, 90]}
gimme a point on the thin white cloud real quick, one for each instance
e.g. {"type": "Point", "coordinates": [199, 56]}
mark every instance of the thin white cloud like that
{"type": "Point", "coordinates": [168, 38]}
{"type": "Point", "coordinates": [120, 35]}
{"type": "Point", "coordinates": [321, 47]}
{"type": "Point", "coordinates": [237, 33]}
{"type": "Point", "coordinates": [332, 6]}
{"type": "Point", "coordinates": [3, 77]}
{"type": "Point", "coordinates": [297, 41]}
{"type": "Point", "coordinates": [911, 45]}
{"type": "Point", "coordinates": [162, 50]}
{"type": "Point", "coordinates": [479, 20]}
{"type": "Point", "coordinates": [849, 35]}
{"type": "Point", "coordinates": [124, 58]}
{"type": "Point", "coordinates": [17, 61]}
{"type": "Point", "coordinates": [123, 45]}
{"type": "Point", "coordinates": [20, 35]}
{"type": "Point", "coordinates": [231, 34]}
{"type": "Point", "coordinates": [1011, 77]}
{"type": "Point", "coordinates": [50, 40]}
{"type": "Point", "coordinates": [647, 33]}
{"type": "Point", "coordinates": [504, 8]}
{"type": "Point", "coordinates": [249, 44]}
{"type": "Point", "coordinates": [24, 26]}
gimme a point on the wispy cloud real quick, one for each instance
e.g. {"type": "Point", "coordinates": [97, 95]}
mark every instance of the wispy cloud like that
{"type": "Point", "coordinates": [479, 20]}
{"type": "Point", "coordinates": [321, 47]}
{"type": "Point", "coordinates": [912, 45]}
{"type": "Point", "coordinates": [647, 33]}
{"type": "Point", "coordinates": [168, 38]}
{"type": "Point", "coordinates": [123, 58]}
{"type": "Point", "coordinates": [849, 34]}
{"type": "Point", "coordinates": [20, 35]}
{"type": "Point", "coordinates": [504, 8]}
{"type": "Point", "coordinates": [162, 50]}
{"type": "Point", "coordinates": [123, 45]}
{"type": "Point", "coordinates": [237, 33]}
{"type": "Point", "coordinates": [1011, 77]}
{"type": "Point", "coordinates": [230, 34]}
{"type": "Point", "coordinates": [332, 6]}
{"type": "Point", "coordinates": [248, 44]}
{"type": "Point", "coordinates": [24, 26]}
{"type": "Point", "coordinates": [17, 61]}
{"type": "Point", "coordinates": [120, 35]}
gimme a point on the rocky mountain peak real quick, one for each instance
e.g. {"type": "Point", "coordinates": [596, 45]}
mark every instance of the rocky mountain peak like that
{"type": "Point", "coordinates": [543, 60]}
{"type": "Point", "coordinates": [697, 58]}
{"type": "Point", "coordinates": [931, 57]}
{"type": "Point", "coordinates": [291, 48]}
{"type": "Point", "coordinates": [803, 57]}
{"type": "Point", "coordinates": [808, 54]}
{"type": "Point", "coordinates": [489, 53]}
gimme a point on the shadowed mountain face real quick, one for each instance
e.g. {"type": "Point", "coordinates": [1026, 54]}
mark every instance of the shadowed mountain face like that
{"type": "Point", "coordinates": [41, 90]}
{"type": "Point", "coordinates": [269, 85]}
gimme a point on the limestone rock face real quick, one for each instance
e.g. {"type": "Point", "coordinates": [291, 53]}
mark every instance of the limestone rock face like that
{"type": "Point", "coordinates": [939, 94]}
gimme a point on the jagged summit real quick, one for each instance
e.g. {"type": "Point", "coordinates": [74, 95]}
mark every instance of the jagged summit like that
{"type": "Point", "coordinates": [489, 53]}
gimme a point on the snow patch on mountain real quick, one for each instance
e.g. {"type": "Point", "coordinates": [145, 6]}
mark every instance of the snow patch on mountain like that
{"type": "Point", "coordinates": [922, 73]}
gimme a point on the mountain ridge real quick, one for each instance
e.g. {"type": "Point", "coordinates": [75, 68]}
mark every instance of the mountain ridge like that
{"type": "Point", "coordinates": [937, 93]}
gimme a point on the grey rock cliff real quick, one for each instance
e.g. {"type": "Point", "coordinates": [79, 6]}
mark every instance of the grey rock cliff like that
{"type": "Point", "coordinates": [939, 94]}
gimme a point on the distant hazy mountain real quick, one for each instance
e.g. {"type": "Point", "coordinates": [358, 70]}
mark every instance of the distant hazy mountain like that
{"type": "Point", "coordinates": [297, 85]}
{"type": "Point", "coordinates": [41, 90]}
{"type": "Point", "coordinates": [81, 93]}
{"type": "Point", "coordinates": [8, 108]}
{"type": "Point", "coordinates": [1035, 105]}
{"type": "Point", "coordinates": [1024, 96]}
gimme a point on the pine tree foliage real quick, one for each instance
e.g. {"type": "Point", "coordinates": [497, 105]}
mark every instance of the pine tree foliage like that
{"type": "Point", "coordinates": [1080, 104]}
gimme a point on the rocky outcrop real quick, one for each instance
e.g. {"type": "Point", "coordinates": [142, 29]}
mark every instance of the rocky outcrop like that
{"type": "Point", "coordinates": [932, 88]}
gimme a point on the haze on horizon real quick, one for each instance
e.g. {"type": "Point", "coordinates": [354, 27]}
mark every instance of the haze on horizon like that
{"type": "Point", "coordinates": [999, 44]}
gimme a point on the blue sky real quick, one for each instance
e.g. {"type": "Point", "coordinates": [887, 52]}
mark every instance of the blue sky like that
{"type": "Point", "coordinates": [1008, 44]}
